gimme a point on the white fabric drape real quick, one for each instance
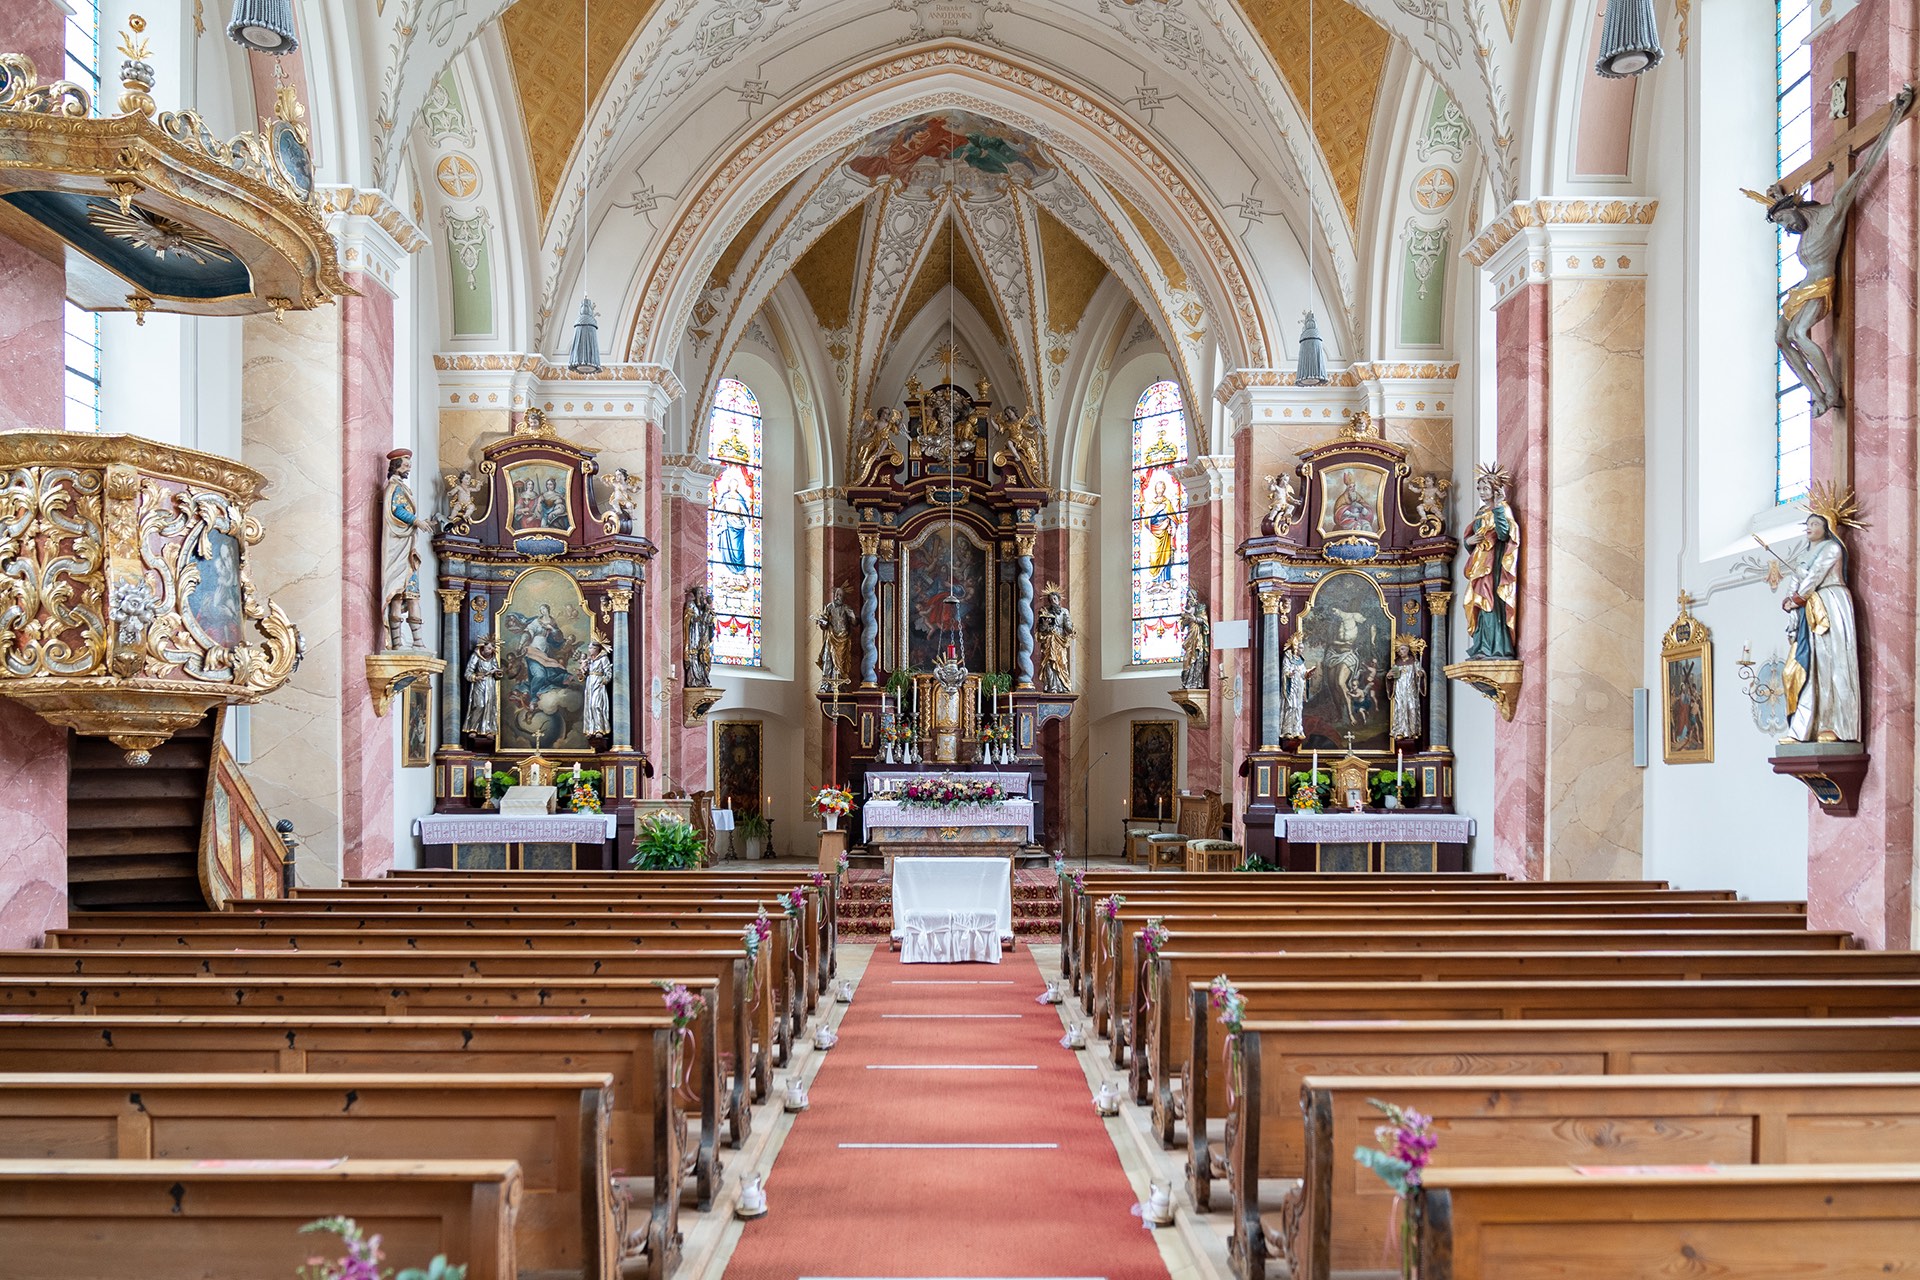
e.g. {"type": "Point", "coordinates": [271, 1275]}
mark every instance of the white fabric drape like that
{"type": "Point", "coordinates": [952, 910]}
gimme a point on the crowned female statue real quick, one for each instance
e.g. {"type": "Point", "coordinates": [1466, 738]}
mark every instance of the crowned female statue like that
{"type": "Point", "coordinates": [1493, 570]}
{"type": "Point", "coordinates": [1823, 662]}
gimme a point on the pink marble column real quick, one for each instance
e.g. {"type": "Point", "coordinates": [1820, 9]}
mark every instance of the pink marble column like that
{"type": "Point", "coordinates": [366, 410]}
{"type": "Point", "coordinates": [33, 754]}
{"type": "Point", "coordinates": [1860, 869]}
{"type": "Point", "coordinates": [1520, 746]}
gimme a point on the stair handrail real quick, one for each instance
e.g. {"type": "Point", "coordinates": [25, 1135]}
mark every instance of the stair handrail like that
{"type": "Point", "coordinates": [242, 853]}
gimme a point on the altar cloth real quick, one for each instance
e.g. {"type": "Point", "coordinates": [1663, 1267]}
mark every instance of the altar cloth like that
{"type": "Point", "coordinates": [893, 815]}
{"type": "Point", "coordinates": [950, 910]}
{"type": "Point", "coordinates": [880, 781]}
{"type": "Point", "coordinates": [493, 828]}
{"type": "Point", "coordinates": [1340, 828]}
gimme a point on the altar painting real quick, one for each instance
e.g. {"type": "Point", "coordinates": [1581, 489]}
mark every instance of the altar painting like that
{"type": "Point", "coordinates": [1347, 640]}
{"type": "Point", "coordinates": [921, 154]}
{"type": "Point", "coordinates": [214, 602]}
{"type": "Point", "coordinates": [1353, 500]}
{"type": "Point", "coordinates": [947, 598]}
{"type": "Point", "coordinates": [1152, 764]}
{"type": "Point", "coordinates": [544, 630]}
{"type": "Point", "coordinates": [736, 765]}
{"type": "Point", "coordinates": [540, 497]}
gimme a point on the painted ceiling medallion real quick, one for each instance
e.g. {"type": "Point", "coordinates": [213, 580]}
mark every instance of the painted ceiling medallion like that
{"type": "Point", "coordinates": [147, 210]}
{"type": "Point", "coordinates": [951, 153]}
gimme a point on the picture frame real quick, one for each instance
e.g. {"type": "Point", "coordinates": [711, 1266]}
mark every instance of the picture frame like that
{"type": "Point", "coordinates": [416, 724]}
{"type": "Point", "coordinates": [1153, 770]}
{"type": "Point", "coordinates": [1686, 690]}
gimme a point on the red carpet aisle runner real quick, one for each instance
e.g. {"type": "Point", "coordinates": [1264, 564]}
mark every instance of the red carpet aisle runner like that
{"type": "Point", "coordinates": [846, 1197]}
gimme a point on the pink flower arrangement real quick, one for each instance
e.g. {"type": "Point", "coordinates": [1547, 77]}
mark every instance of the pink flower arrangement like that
{"type": "Point", "coordinates": [795, 902]}
{"type": "Point", "coordinates": [819, 878]}
{"type": "Point", "coordinates": [1154, 936]}
{"type": "Point", "coordinates": [362, 1258]}
{"type": "Point", "coordinates": [683, 1004]}
{"type": "Point", "coordinates": [949, 793]}
{"type": "Point", "coordinates": [1108, 908]}
{"type": "Point", "coordinates": [1406, 1148]}
{"type": "Point", "coordinates": [756, 934]}
{"type": "Point", "coordinates": [843, 862]}
{"type": "Point", "coordinates": [1228, 1005]}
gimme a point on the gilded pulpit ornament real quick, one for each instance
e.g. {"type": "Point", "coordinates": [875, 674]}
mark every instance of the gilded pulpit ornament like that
{"type": "Point", "coordinates": [1053, 638]}
{"type": "Point", "coordinates": [1492, 600]}
{"type": "Point", "coordinates": [125, 591]}
{"type": "Point", "coordinates": [402, 523]}
{"type": "Point", "coordinates": [1822, 232]}
{"type": "Point", "coordinates": [152, 212]}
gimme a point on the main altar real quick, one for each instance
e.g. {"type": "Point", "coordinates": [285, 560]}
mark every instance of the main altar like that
{"type": "Point", "coordinates": [953, 659]}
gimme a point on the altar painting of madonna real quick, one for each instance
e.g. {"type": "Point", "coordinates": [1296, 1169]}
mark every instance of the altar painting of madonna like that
{"type": "Point", "coordinates": [544, 629]}
{"type": "Point", "coordinates": [1348, 642]}
{"type": "Point", "coordinates": [946, 599]}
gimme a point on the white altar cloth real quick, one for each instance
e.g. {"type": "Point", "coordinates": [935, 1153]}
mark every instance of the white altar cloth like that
{"type": "Point", "coordinates": [1342, 828]}
{"type": "Point", "coordinates": [951, 910]}
{"type": "Point", "coordinates": [493, 828]}
{"type": "Point", "coordinates": [1001, 813]}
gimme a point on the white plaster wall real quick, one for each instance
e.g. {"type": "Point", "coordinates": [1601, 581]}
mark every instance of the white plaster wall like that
{"type": "Point", "coordinates": [417, 427]}
{"type": "Point", "coordinates": [1474, 716]}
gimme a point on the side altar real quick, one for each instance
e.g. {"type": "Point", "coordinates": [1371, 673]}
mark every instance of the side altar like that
{"type": "Point", "coordinates": [1350, 584]}
{"type": "Point", "coordinates": [951, 658]}
{"type": "Point", "coordinates": [540, 594]}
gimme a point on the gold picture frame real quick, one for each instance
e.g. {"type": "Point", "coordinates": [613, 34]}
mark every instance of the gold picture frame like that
{"type": "Point", "coordinates": [1686, 689]}
{"type": "Point", "coordinates": [416, 725]}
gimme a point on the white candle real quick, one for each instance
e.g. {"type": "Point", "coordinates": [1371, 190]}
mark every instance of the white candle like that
{"type": "Point", "coordinates": [1399, 766]}
{"type": "Point", "coordinates": [1316, 765]}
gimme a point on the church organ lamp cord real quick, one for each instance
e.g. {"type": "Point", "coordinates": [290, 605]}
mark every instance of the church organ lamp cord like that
{"type": "Point", "coordinates": [585, 354]}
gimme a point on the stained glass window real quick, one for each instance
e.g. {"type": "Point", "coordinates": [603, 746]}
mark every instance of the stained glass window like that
{"type": "Point", "coordinates": [1793, 105]}
{"type": "Point", "coordinates": [734, 527]}
{"type": "Point", "coordinates": [1159, 523]}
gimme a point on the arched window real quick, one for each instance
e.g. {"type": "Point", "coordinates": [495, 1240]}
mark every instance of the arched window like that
{"type": "Point", "coordinates": [1159, 523]}
{"type": "Point", "coordinates": [734, 524]}
{"type": "Point", "coordinates": [1793, 105]}
{"type": "Point", "coordinates": [82, 376]}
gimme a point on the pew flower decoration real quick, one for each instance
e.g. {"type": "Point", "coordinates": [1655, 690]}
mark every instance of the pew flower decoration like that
{"type": "Point", "coordinates": [756, 934]}
{"type": "Point", "coordinates": [1154, 936]}
{"type": "Point", "coordinates": [842, 862]}
{"type": "Point", "coordinates": [683, 1004]}
{"type": "Point", "coordinates": [819, 879]}
{"type": "Point", "coordinates": [1227, 1003]}
{"type": "Point", "coordinates": [1109, 907]}
{"type": "Point", "coordinates": [362, 1258]}
{"type": "Point", "coordinates": [795, 902]}
{"type": "Point", "coordinates": [1079, 879]}
{"type": "Point", "coordinates": [1406, 1147]}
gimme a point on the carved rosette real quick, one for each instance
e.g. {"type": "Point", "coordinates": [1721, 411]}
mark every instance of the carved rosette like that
{"type": "Point", "coordinates": [125, 594]}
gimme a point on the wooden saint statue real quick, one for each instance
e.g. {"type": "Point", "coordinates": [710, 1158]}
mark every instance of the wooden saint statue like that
{"type": "Point", "coordinates": [1822, 676]}
{"type": "Point", "coordinates": [401, 523]}
{"type": "Point", "coordinates": [1053, 644]}
{"type": "Point", "coordinates": [1493, 570]}
{"type": "Point", "coordinates": [837, 623]}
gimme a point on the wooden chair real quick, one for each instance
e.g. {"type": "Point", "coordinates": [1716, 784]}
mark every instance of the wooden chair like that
{"type": "Point", "coordinates": [1205, 856]}
{"type": "Point", "coordinates": [1195, 817]}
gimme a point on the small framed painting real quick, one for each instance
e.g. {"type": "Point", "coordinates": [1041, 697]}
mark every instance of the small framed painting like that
{"type": "Point", "coordinates": [416, 719]}
{"type": "Point", "coordinates": [1686, 690]}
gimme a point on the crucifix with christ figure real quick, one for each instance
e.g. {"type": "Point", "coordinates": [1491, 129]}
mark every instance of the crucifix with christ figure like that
{"type": "Point", "coordinates": [1822, 230]}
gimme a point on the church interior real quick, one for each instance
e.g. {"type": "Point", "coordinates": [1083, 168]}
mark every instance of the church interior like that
{"type": "Point", "coordinates": [559, 559]}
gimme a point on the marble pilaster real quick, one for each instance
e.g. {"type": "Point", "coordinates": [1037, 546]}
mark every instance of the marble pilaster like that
{"type": "Point", "coordinates": [1860, 870]}
{"type": "Point", "coordinates": [682, 563]}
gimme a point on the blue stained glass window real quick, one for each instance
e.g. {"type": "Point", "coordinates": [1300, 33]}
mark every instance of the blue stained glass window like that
{"type": "Point", "coordinates": [735, 528]}
{"type": "Point", "coordinates": [1793, 135]}
{"type": "Point", "coordinates": [1159, 523]}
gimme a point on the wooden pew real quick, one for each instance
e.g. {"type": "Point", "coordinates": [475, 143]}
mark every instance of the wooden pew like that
{"type": "Point", "coordinates": [1115, 961]}
{"type": "Point", "coordinates": [1732, 998]}
{"type": "Point", "coordinates": [188, 1220]}
{"type": "Point", "coordinates": [555, 1127]}
{"type": "Point", "coordinates": [1342, 1210]}
{"type": "Point", "coordinates": [744, 1010]}
{"type": "Point", "coordinates": [1847, 1222]}
{"type": "Point", "coordinates": [793, 962]}
{"type": "Point", "coordinates": [639, 1053]}
{"type": "Point", "coordinates": [1166, 1026]}
{"type": "Point", "coordinates": [226, 931]}
{"type": "Point", "coordinates": [1274, 1060]}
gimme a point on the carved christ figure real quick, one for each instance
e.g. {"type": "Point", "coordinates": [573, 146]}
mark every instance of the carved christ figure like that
{"type": "Point", "coordinates": [1822, 229]}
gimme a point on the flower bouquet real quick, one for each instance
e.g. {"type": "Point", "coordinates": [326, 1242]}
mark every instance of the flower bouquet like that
{"type": "Point", "coordinates": [1311, 790]}
{"type": "Point", "coordinates": [362, 1258]}
{"type": "Point", "coordinates": [1406, 1147]}
{"type": "Point", "coordinates": [949, 793]}
{"type": "Point", "coordinates": [831, 804]}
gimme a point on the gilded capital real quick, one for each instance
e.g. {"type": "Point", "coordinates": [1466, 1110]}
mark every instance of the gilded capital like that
{"type": "Point", "coordinates": [1023, 544]}
{"type": "Point", "coordinates": [620, 599]}
{"type": "Point", "coordinates": [869, 544]}
{"type": "Point", "coordinates": [1269, 602]}
{"type": "Point", "coordinates": [450, 599]}
{"type": "Point", "coordinates": [1438, 602]}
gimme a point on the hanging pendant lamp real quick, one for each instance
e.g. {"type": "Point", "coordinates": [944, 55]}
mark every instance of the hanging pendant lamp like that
{"type": "Point", "coordinates": [1310, 370]}
{"type": "Point", "coordinates": [1629, 40]}
{"type": "Point", "coordinates": [264, 26]}
{"type": "Point", "coordinates": [585, 355]}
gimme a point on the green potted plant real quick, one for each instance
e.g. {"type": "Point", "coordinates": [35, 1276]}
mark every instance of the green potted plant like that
{"type": "Point", "coordinates": [1393, 790]}
{"type": "Point", "coordinates": [666, 842]}
{"type": "Point", "coordinates": [754, 831]}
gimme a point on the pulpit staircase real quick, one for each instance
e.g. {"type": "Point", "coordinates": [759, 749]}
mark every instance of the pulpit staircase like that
{"type": "Point", "coordinates": [182, 832]}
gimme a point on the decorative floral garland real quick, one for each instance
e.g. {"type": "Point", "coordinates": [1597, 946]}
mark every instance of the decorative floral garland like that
{"type": "Point", "coordinates": [948, 793]}
{"type": "Point", "coordinates": [1406, 1148]}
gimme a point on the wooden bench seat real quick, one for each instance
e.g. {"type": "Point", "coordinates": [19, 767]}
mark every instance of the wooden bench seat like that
{"type": "Point", "coordinates": [1846, 1222]}
{"type": "Point", "coordinates": [744, 1009]}
{"type": "Point", "coordinates": [641, 1054]}
{"type": "Point", "coordinates": [555, 1127]}
{"type": "Point", "coordinates": [1159, 1069]}
{"type": "Point", "coordinates": [1274, 1059]}
{"type": "Point", "coordinates": [1114, 962]}
{"type": "Point", "coordinates": [189, 1220]}
{"type": "Point", "coordinates": [1343, 1210]}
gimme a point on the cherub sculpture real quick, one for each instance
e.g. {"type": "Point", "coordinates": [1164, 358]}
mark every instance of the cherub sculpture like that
{"type": "Point", "coordinates": [1430, 503]}
{"type": "Point", "coordinates": [1283, 504]}
{"type": "Point", "coordinates": [463, 492]}
{"type": "Point", "coordinates": [623, 501]}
